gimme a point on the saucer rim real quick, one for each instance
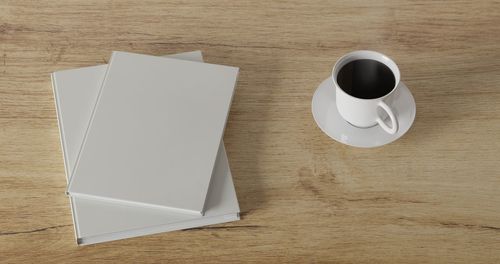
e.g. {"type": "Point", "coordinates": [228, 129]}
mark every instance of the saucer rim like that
{"type": "Point", "coordinates": [395, 137]}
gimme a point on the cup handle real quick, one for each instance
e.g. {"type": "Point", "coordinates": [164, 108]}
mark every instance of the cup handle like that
{"type": "Point", "coordinates": [394, 122]}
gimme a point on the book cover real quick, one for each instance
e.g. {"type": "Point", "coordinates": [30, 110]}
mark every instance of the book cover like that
{"type": "Point", "coordinates": [154, 132]}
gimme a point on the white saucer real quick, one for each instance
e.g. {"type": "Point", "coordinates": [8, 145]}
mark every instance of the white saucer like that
{"type": "Point", "coordinates": [327, 117]}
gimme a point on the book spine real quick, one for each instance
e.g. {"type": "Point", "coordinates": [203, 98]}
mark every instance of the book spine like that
{"type": "Point", "coordinates": [63, 149]}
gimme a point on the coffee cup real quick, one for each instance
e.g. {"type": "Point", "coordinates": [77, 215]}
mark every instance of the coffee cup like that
{"type": "Point", "coordinates": [365, 84]}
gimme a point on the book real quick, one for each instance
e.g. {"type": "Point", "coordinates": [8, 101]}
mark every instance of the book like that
{"type": "Point", "coordinates": [95, 220]}
{"type": "Point", "coordinates": [154, 132]}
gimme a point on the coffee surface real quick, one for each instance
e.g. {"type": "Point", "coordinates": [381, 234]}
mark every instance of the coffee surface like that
{"type": "Point", "coordinates": [366, 79]}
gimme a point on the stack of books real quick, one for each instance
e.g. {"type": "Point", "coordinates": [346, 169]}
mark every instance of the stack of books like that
{"type": "Point", "coordinates": [142, 145]}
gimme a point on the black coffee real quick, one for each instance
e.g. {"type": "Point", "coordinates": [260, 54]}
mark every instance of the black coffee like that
{"type": "Point", "coordinates": [366, 79]}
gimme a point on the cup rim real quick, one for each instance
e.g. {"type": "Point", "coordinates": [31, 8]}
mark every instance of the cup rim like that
{"type": "Point", "coordinates": [367, 54]}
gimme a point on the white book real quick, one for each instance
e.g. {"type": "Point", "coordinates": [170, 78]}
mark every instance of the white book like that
{"type": "Point", "coordinates": [155, 132]}
{"type": "Point", "coordinates": [95, 221]}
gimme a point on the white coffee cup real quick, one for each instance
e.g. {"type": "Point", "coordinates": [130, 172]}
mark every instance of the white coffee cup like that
{"type": "Point", "coordinates": [366, 112]}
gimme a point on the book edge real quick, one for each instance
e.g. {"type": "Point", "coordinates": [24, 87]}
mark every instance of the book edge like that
{"type": "Point", "coordinates": [183, 225]}
{"type": "Point", "coordinates": [63, 149]}
{"type": "Point", "coordinates": [129, 202]}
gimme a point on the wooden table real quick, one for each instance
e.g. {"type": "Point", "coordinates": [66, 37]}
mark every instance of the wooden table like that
{"type": "Point", "coordinates": [431, 196]}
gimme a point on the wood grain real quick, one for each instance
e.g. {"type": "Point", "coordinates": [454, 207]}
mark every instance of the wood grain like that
{"type": "Point", "coordinates": [432, 196]}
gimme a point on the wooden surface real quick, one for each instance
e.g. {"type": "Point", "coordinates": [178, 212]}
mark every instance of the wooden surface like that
{"type": "Point", "coordinates": [432, 196]}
